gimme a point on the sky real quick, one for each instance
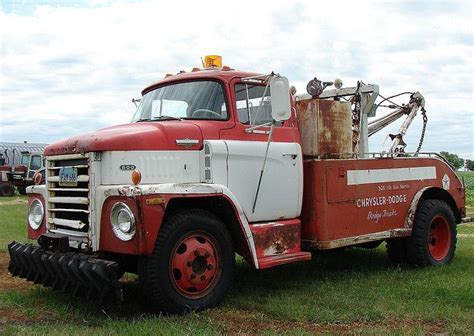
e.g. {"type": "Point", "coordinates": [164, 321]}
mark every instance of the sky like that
{"type": "Point", "coordinates": [72, 67]}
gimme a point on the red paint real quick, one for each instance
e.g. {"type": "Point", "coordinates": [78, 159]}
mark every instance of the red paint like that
{"type": "Point", "coordinates": [34, 234]}
{"type": "Point", "coordinates": [108, 240]}
{"type": "Point", "coordinates": [330, 210]}
{"type": "Point", "coordinates": [195, 265]}
{"type": "Point", "coordinates": [439, 241]}
{"type": "Point", "coordinates": [224, 76]}
{"type": "Point", "coordinates": [148, 223]}
{"type": "Point", "coordinates": [155, 135]}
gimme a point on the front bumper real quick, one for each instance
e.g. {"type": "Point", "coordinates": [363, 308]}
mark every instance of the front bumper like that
{"type": "Point", "coordinates": [79, 274]}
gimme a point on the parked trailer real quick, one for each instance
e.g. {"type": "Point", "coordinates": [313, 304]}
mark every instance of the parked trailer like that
{"type": "Point", "coordinates": [217, 162]}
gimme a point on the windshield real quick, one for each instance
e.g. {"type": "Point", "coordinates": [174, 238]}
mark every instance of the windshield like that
{"type": "Point", "coordinates": [191, 100]}
{"type": "Point", "coordinates": [25, 160]}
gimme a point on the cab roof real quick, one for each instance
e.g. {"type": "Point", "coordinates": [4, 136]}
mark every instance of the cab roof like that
{"type": "Point", "coordinates": [224, 75]}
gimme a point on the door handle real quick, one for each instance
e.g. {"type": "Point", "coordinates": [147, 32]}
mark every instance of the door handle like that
{"type": "Point", "coordinates": [292, 155]}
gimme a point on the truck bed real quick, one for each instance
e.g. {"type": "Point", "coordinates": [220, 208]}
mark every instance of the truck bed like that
{"type": "Point", "coordinates": [351, 201]}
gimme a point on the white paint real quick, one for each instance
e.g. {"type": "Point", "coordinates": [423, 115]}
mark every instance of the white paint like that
{"type": "Point", "coordinates": [356, 177]}
{"type": "Point", "coordinates": [155, 166]}
{"type": "Point", "coordinates": [281, 189]}
{"type": "Point", "coordinates": [75, 224]}
{"type": "Point", "coordinates": [218, 156]}
{"type": "Point", "coordinates": [446, 182]}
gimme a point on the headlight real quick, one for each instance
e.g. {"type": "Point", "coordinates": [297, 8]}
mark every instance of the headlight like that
{"type": "Point", "coordinates": [35, 214]}
{"type": "Point", "coordinates": [123, 221]}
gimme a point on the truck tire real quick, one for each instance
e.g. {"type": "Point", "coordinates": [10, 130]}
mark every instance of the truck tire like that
{"type": "Point", "coordinates": [7, 190]}
{"type": "Point", "coordinates": [433, 240]}
{"type": "Point", "coordinates": [192, 263]}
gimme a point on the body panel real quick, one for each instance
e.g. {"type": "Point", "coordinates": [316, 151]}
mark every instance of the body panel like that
{"type": "Point", "coordinates": [350, 198]}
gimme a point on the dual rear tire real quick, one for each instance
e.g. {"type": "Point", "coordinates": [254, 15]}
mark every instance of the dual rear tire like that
{"type": "Point", "coordinates": [433, 239]}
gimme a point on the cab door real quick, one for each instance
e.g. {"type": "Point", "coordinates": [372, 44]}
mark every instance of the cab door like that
{"type": "Point", "coordinates": [280, 193]}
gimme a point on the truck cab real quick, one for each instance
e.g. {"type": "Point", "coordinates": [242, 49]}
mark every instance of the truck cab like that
{"type": "Point", "coordinates": [211, 165]}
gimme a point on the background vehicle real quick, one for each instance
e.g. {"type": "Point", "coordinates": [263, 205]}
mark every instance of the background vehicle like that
{"type": "Point", "coordinates": [18, 165]}
{"type": "Point", "coordinates": [218, 162]}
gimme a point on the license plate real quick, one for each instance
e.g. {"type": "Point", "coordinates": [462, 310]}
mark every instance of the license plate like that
{"type": "Point", "coordinates": [68, 177]}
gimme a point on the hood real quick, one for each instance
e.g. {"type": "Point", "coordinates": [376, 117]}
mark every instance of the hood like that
{"type": "Point", "coordinates": [156, 135]}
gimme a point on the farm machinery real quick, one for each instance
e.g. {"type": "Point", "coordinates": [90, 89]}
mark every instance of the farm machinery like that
{"type": "Point", "coordinates": [21, 175]}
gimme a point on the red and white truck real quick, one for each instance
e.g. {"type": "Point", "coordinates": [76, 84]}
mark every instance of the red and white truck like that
{"type": "Point", "coordinates": [22, 175]}
{"type": "Point", "coordinates": [217, 162]}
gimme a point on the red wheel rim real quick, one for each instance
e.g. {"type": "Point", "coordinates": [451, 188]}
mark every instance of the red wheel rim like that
{"type": "Point", "coordinates": [194, 265]}
{"type": "Point", "coordinates": [439, 240]}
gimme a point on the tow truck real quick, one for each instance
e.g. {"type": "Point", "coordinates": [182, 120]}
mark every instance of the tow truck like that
{"type": "Point", "coordinates": [218, 162]}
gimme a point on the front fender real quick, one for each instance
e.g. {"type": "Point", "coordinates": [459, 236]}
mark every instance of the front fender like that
{"type": "Point", "coordinates": [163, 193]}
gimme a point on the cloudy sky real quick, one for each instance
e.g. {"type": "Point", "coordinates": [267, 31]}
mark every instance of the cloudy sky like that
{"type": "Point", "coordinates": [69, 67]}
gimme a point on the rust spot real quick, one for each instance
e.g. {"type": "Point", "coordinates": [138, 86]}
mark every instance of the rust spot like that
{"type": "Point", "coordinates": [326, 128]}
{"type": "Point", "coordinates": [277, 240]}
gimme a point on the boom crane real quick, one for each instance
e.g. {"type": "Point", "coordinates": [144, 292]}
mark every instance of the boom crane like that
{"type": "Point", "coordinates": [362, 98]}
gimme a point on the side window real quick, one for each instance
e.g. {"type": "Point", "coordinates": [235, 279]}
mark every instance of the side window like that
{"type": "Point", "coordinates": [253, 104]}
{"type": "Point", "coordinates": [35, 162]}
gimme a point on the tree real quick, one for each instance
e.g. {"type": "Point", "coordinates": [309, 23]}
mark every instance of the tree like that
{"type": "Point", "coordinates": [454, 159]}
{"type": "Point", "coordinates": [470, 165]}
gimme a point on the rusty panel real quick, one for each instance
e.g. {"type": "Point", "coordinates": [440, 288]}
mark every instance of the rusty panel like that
{"type": "Point", "coordinates": [276, 238]}
{"type": "Point", "coordinates": [335, 211]}
{"type": "Point", "coordinates": [326, 128]}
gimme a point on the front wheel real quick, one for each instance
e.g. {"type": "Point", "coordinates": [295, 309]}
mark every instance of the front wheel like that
{"type": "Point", "coordinates": [192, 263]}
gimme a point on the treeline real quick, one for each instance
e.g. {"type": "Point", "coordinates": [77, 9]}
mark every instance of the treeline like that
{"type": "Point", "coordinates": [458, 162]}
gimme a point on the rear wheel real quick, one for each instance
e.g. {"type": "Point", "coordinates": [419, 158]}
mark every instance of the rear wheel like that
{"type": "Point", "coordinates": [7, 190]}
{"type": "Point", "coordinates": [192, 264]}
{"type": "Point", "coordinates": [433, 240]}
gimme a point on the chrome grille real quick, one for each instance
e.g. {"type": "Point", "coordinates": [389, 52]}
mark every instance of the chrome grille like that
{"type": "Point", "coordinates": [68, 206]}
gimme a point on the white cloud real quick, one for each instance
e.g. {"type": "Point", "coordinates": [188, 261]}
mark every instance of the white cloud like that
{"type": "Point", "coordinates": [71, 69]}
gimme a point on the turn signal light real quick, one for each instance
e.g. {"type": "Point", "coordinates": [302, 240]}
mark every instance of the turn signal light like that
{"type": "Point", "coordinates": [136, 177]}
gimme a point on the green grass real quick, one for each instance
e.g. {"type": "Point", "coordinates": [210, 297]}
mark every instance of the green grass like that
{"type": "Point", "coordinates": [469, 181]}
{"type": "Point", "coordinates": [347, 291]}
{"type": "Point", "coordinates": [466, 228]}
{"type": "Point", "coordinates": [13, 212]}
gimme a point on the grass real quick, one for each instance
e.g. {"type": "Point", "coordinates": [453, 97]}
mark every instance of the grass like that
{"type": "Point", "coordinates": [469, 181]}
{"type": "Point", "coordinates": [346, 291]}
{"type": "Point", "coordinates": [12, 220]}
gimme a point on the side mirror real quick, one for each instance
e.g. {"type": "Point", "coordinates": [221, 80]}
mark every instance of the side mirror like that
{"type": "Point", "coordinates": [280, 91]}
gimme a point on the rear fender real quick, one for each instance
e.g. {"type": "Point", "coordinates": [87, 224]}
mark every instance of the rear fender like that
{"type": "Point", "coordinates": [430, 192]}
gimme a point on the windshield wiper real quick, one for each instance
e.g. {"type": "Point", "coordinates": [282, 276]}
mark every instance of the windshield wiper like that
{"type": "Point", "coordinates": [165, 117]}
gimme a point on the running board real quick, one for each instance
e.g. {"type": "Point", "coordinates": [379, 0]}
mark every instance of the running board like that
{"type": "Point", "coordinates": [281, 259]}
